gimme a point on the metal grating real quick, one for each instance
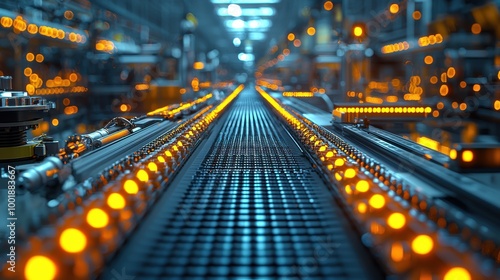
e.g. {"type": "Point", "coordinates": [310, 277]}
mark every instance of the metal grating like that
{"type": "Point", "coordinates": [254, 208]}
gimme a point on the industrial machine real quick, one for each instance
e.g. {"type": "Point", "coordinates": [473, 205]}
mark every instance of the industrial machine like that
{"type": "Point", "coordinates": [259, 139]}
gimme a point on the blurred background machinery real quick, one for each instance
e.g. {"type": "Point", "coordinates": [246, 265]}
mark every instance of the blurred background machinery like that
{"type": "Point", "coordinates": [250, 138]}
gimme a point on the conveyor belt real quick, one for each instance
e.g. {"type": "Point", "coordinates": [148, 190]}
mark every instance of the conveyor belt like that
{"type": "Point", "coordinates": [247, 204]}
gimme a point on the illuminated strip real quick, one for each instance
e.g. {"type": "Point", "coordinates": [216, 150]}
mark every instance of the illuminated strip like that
{"type": "Point", "coordinates": [133, 185]}
{"type": "Point", "coordinates": [298, 94]}
{"type": "Point", "coordinates": [351, 114]}
{"type": "Point", "coordinates": [168, 111]}
{"type": "Point", "coordinates": [423, 41]}
{"type": "Point", "coordinates": [371, 200]}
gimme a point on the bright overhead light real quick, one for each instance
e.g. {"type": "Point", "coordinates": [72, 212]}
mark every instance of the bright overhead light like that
{"type": "Point", "coordinates": [236, 42]}
{"type": "Point", "coordinates": [256, 36]}
{"type": "Point", "coordinates": [234, 10]}
{"type": "Point", "coordinates": [248, 12]}
{"type": "Point", "coordinates": [246, 57]}
{"type": "Point", "coordinates": [261, 24]}
{"type": "Point", "coordinates": [239, 2]}
{"type": "Point", "coordinates": [236, 24]}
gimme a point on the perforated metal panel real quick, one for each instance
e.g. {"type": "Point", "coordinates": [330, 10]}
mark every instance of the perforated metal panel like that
{"type": "Point", "coordinates": [248, 205]}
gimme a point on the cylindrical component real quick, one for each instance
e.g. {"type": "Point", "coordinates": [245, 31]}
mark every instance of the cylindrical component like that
{"type": "Point", "coordinates": [112, 137]}
{"type": "Point", "coordinates": [5, 82]}
{"type": "Point", "coordinates": [37, 177]}
{"type": "Point", "coordinates": [12, 138]}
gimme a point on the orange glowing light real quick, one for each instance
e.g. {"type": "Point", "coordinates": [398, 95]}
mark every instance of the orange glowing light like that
{"type": "Point", "coordinates": [97, 218]}
{"type": "Point", "coordinates": [377, 201]}
{"type": "Point", "coordinates": [467, 156]}
{"type": "Point", "coordinates": [396, 220]}
{"type": "Point", "coordinates": [142, 175]}
{"type": "Point", "coordinates": [358, 31]}
{"type": "Point", "coordinates": [116, 201]}
{"type": "Point", "coordinates": [433, 80]}
{"type": "Point", "coordinates": [123, 108]}
{"type": "Point", "coordinates": [417, 15]}
{"type": "Point", "coordinates": [131, 187]}
{"type": "Point", "coordinates": [463, 84]}
{"type": "Point", "coordinates": [55, 122]}
{"type": "Point", "coordinates": [30, 57]}
{"type": "Point", "coordinates": [443, 90]}
{"type": "Point", "coordinates": [451, 72]}
{"type": "Point", "coordinates": [428, 59]}
{"type": "Point", "coordinates": [311, 31]}
{"type": "Point", "coordinates": [291, 37]}
{"type": "Point", "coordinates": [68, 15]}
{"type": "Point", "coordinates": [328, 6]}
{"type": "Point", "coordinates": [422, 244]}
{"type": "Point", "coordinates": [476, 87]}
{"type": "Point", "coordinates": [457, 273]}
{"type": "Point", "coordinates": [40, 268]}
{"type": "Point", "coordinates": [362, 186]}
{"type": "Point", "coordinates": [72, 240]}
{"type": "Point", "coordinates": [475, 28]}
{"type": "Point", "coordinates": [394, 8]}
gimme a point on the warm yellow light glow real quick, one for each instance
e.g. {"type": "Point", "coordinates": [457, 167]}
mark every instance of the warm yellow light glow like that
{"type": "Point", "coordinates": [496, 105]}
{"type": "Point", "coordinates": [131, 187]}
{"type": "Point", "coordinates": [457, 273]}
{"type": "Point", "coordinates": [377, 201]}
{"type": "Point", "coordinates": [397, 252]}
{"type": "Point", "coordinates": [362, 186]}
{"type": "Point", "coordinates": [30, 57]}
{"type": "Point", "coordinates": [475, 28]}
{"type": "Point", "coordinates": [394, 8]}
{"type": "Point", "coordinates": [142, 175]}
{"type": "Point", "coordinates": [39, 58]}
{"type": "Point", "coordinates": [463, 106]}
{"type": "Point", "coordinates": [152, 167]}
{"type": "Point", "coordinates": [428, 59]}
{"type": "Point", "coordinates": [68, 15]}
{"type": "Point", "coordinates": [443, 90]}
{"type": "Point", "coordinates": [72, 240]}
{"type": "Point", "coordinates": [55, 122]}
{"type": "Point", "coordinates": [476, 87]}
{"type": "Point", "coordinates": [396, 220]}
{"type": "Point", "coordinates": [417, 15]}
{"type": "Point", "coordinates": [339, 162]}
{"type": "Point", "coordinates": [161, 159]}
{"type": "Point", "coordinates": [97, 218]}
{"type": "Point", "coordinates": [198, 65]}
{"type": "Point", "coordinates": [328, 6]}
{"type": "Point", "coordinates": [467, 156]}
{"type": "Point", "coordinates": [40, 268]}
{"type": "Point", "coordinates": [168, 153]}
{"type": "Point", "coordinates": [453, 154]}
{"type": "Point", "coordinates": [422, 244]}
{"type": "Point", "coordinates": [358, 31]}
{"type": "Point", "coordinates": [362, 208]}
{"type": "Point", "coordinates": [291, 37]}
{"type": "Point", "coordinates": [451, 72]}
{"type": "Point", "coordinates": [349, 173]}
{"type": "Point", "coordinates": [27, 71]}
{"type": "Point", "coordinates": [123, 107]}
{"type": "Point", "coordinates": [116, 201]}
{"type": "Point", "coordinates": [311, 31]}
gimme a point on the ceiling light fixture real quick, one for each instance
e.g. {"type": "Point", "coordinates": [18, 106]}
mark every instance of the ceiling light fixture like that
{"type": "Point", "coordinates": [239, 2]}
{"type": "Point", "coordinates": [248, 12]}
{"type": "Point", "coordinates": [234, 10]}
{"type": "Point", "coordinates": [236, 42]}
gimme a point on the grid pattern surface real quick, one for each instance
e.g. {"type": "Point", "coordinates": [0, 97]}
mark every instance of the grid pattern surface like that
{"type": "Point", "coordinates": [254, 208]}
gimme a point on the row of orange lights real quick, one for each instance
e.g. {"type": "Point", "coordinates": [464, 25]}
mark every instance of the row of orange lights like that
{"type": "Point", "coordinates": [75, 240]}
{"type": "Point", "coordinates": [365, 197]}
{"type": "Point", "coordinates": [20, 25]}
